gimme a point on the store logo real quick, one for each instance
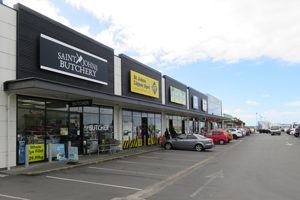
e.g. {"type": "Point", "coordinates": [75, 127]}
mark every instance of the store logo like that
{"type": "Point", "coordinates": [154, 88]}
{"type": "Point", "coordinates": [96, 127]}
{"type": "Point", "coordinates": [77, 63]}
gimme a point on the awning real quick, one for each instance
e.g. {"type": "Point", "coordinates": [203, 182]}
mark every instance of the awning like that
{"type": "Point", "coordinates": [55, 90]}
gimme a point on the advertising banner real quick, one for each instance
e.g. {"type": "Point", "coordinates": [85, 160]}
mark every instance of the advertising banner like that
{"type": "Point", "coordinates": [59, 57]}
{"type": "Point", "coordinates": [21, 152]}
{"type": "Point", "coordinates": [144, 85]}
{"type": "Point", "coordinates": [60, 152]}
{"type": "Point", "coordinates": [177, 96]}
{"type": "Point", "coordinates": [204, 105]}
{"type": "Point", "coordinates": [195, 103]}
{"type": "Point", "coordinates": [36, 152]}
{"type": "Point", "coordinates": [73, 153]}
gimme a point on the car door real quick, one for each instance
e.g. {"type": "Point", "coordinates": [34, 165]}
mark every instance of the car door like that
{"type": "Point", "coordinates": [179, 142]}
{"type": "Point", "coordinates": [190, 141]}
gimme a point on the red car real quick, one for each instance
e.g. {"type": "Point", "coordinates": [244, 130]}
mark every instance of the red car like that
{"type": "Point", "coordinates": [218, 136]}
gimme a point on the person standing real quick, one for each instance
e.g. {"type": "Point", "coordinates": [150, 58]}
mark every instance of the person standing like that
{"type": "Point", "coordinates": [167, 134]}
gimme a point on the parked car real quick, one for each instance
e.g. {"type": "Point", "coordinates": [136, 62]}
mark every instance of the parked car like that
{"type": "Point", "coordinates": [243, 131]}
{"type": "Point", "coordinates": [192, 142]}
{"type": "Point", "coordinates": [218, 136]}
{"type": "Point", "coordinates": [229, 135]}
{"type": "Point", "coordinates": [235, 133]}
{"type": "Point", "coordinates": [297, 131]}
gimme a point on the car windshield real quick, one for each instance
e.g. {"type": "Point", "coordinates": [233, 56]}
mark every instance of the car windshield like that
{"type": "Point", "coordinates": [200, 136]}
{"type": "Point", "coordinates": [274, 127]}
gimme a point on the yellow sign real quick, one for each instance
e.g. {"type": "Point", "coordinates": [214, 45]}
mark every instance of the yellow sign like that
{"type": "Point", "coordinates": [36, 152]}
{"type": "Point", "coordinates": [144, 85]}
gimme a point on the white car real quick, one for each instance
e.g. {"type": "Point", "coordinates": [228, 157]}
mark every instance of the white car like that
{"type": "Point", "coordinates": [243, 131]}
{"type": "Point", "coordinates": [235, 133]}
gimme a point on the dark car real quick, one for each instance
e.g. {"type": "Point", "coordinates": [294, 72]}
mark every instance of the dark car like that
{"type": "Point", "coordinates": [192, 142]}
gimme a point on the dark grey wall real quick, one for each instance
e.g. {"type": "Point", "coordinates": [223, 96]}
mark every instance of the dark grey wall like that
{"type": "Point", "coordinates": [200, 97]}
{"type": "Point", "coordinates": [30, 25]}
{"type": "Point", "coordinates": [128, 64]}
{"type": "Point", "coordinates": [172, 82]}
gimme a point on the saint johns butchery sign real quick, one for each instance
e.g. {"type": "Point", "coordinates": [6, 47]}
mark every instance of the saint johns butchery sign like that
{"type": "Point", "coordinates": [59, 57]}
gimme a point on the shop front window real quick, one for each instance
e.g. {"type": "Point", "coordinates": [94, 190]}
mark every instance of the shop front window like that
{"type": "Point", "coordinates": [57, 123]}
{"type": "Point", "coordinates": [137, 125]}
{"type": "Point", "coordinates": [31, 124]}
{"type": "Point", "coordinates": [90, 130]}
{"type": "Point", "coordinates": [106, 123]}
{"type": "Point", "coordinates": [127, 125]}
{"type": "Point", "coordinates": [151, 124]}
{"type": "Point", "coordinates": [158, 132]}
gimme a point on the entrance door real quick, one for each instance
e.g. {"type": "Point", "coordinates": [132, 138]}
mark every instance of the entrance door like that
{"type": "Point", "coordinates": [170, 124]}
{"type": "Point", "coordinates": [145, 134]}
{"type": "Point", "coordinates": [75, 133]}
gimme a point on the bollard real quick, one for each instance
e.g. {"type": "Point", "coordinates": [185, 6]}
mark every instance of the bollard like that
{"type": "Point", "coordinates": [26, 156]}
{"type": "Point", "coordinates": [151, 139]}
{"type": "Point", "coordinates": [49, 152]}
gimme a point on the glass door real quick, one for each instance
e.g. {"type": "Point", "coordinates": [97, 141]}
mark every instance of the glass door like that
{"type": "Point", "coordinates": [75, 128]}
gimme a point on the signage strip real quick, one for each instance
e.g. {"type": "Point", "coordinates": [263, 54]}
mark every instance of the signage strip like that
{"type": "Point", "coordinates": [70, 74]}
{"type": "Point", "coordinates": [72, 47]}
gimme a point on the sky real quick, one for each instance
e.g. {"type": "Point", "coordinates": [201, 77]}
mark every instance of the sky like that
{"type": "Point", "coordinates": [244, 52]}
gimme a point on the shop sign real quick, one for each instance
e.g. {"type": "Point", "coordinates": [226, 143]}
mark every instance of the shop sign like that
{"type": "Point", "coordinates": [73, 153]}
{"type": "Point", "coordinates": [64, 131]}
{"type": "Point", "coordinates": [59, 57]}
{"type": "Point", "coordinates": [87, 102]}
{"type": "Point", "coordinates": [97, 127]}
{"type": "Point", "coordinates": [144, 85]}
{"type": "Point", "coordinates": [204, 105]}
{"type": "Point", "coordinates": [36, 152]}
{"type": "Point", "coordinates": [195, 103]}
{"type": "Point", "coordinates": [60, 152]}
{"type": "Point", "coordinates": [177, 96]}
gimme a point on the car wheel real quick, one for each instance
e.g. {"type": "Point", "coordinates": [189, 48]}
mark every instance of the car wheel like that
{"type": "Point", "coordinates": [199, 147]}
{"type": "Point", "coordinates": [235, 137]}
{"type": "Point", "coordinates": [221, 142]}
{"type": "Point", "coordinates": [168, 146]}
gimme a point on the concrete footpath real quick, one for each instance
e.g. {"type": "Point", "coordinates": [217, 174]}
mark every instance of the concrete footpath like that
{"type": "Point", "coordinates": [84, 160]}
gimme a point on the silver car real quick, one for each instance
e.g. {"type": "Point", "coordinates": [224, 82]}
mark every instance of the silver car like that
{"type": "Point", "coordinates": [192, 142]}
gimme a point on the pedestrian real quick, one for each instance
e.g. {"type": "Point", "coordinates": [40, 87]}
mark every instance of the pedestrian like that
{"type": "Point", "coordinates": [167, 134]}
{"type": "Point", "coordinates": [173, 133]}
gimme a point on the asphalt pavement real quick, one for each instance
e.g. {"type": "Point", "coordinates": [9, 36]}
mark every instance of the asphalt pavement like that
{"type": "Point", "coordinates": [259, 166]}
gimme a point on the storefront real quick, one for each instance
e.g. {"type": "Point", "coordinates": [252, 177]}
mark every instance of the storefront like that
{"type": "Point", "coordinates": [68, 90]}
{"type": "Point", "coordinates": [43, 121]}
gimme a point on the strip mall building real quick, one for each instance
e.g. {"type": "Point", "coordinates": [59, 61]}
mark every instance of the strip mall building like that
{"type": "Point", "coordinates": [59, 86]}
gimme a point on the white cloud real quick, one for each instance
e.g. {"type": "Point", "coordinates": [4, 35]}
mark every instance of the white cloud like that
{"type": "Point", "coordinates": [45, 7]}
{"type": "Point", "coordinates": [178, 32]}
{"type": "Point", "coordinates": [295, 103]}
{"type": "Point", "coordinates": [265, 95]}
{"type": "Point", "coordinates": [185, 31]}
{"type": "Point", "coordinates": [252, 102]}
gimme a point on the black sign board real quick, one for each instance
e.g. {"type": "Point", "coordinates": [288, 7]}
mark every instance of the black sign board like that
{"type": "Point", "coordinates": [78, 103]}
{"type": "Point", "coordinates": [59, 57]}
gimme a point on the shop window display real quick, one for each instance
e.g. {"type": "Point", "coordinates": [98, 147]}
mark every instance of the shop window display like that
{"type": "Point", "coordinates": [90, 134]}
{"type": "Point", "coordinates": [106, 125]}
{"type": "Point", "coordinates": [137, 125]}
{"type": "Point", "coordinates": [158, 132]}
{"type": "Point", "coordinates": [127, 125]}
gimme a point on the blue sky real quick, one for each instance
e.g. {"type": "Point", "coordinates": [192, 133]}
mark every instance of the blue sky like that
{"type": "Point", "coordinates": [245, 53]}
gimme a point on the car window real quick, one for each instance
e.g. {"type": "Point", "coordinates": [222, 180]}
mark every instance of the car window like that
{"type": "Point", "coordinates": [217, 133]}
{"type": "Point", "coordinates": [191, 137]}
{"type": "Point", "coordinates": [209, 134]}
{"type": "Point", "coordinates": [182, 136]}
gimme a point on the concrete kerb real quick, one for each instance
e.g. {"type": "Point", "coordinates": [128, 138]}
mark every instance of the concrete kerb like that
{"type": "Point", "coordinates": [92, 162]}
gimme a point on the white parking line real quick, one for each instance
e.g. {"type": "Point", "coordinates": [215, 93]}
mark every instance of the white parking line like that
{"type": "Point", "coordinates": [166, 159]}
{"type": "Point", "coordinates": [12, 197]}
{"type": "Point", "coordinates": [151, 164]}
{"type": "Point", "coordinates": [127, 171]}
{"type": "Point", "coordinates": [94, 183]}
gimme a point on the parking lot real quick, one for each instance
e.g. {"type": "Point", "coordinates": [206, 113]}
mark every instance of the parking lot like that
{"type": "Point", "coordinates": [232, 171]}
